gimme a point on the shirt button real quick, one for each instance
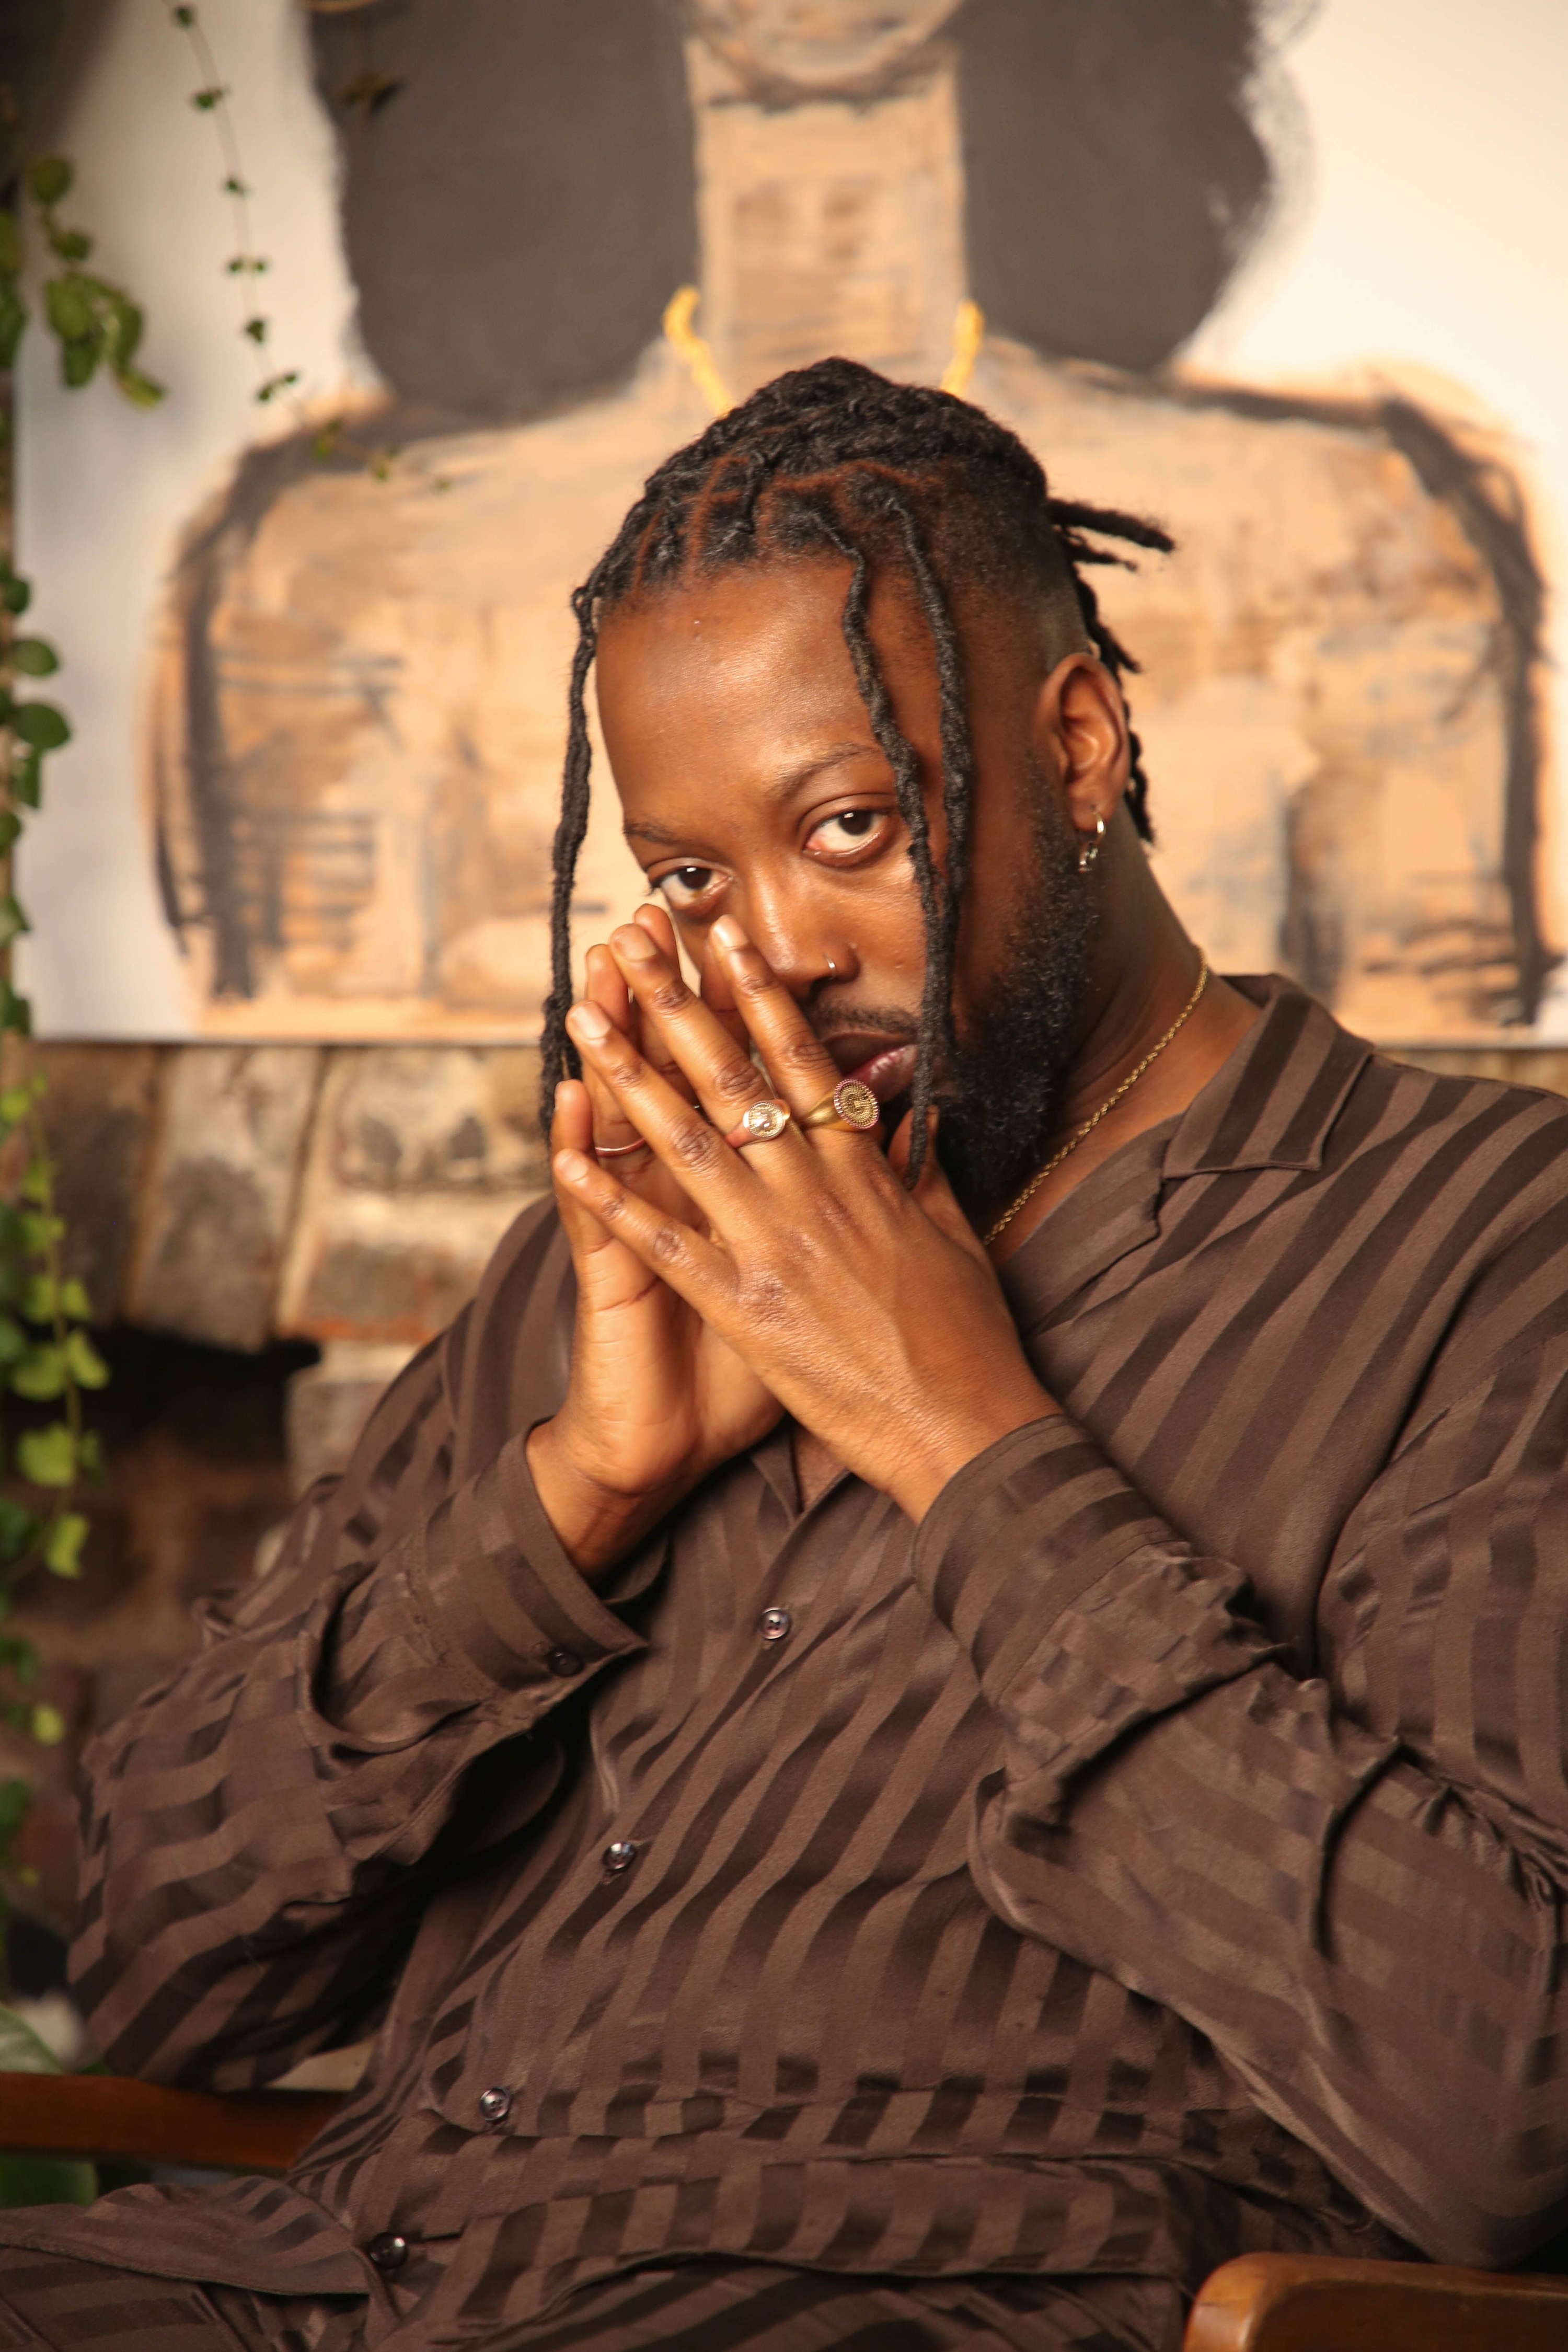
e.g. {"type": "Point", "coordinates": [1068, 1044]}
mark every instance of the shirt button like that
{"type": "Point", "coordinates": [774, 1623]}
{"type": "Point", "coordinates": [563, 1663]}
{"type": "Point", "coordinates": [619, 1856]}
{"type": "Point", "coordinates": [495, 2104]}
{"type": "Point", "coordinates": [387, 2251]}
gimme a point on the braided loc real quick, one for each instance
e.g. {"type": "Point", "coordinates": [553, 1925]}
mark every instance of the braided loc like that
{"type": "Point", "coordinates": [834, 459]}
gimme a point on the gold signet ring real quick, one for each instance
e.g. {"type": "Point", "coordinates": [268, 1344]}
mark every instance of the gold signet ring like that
{"type": "Point", "coordinates": [851, 1104]}
{"type": "Point", "coordinates": [763, 1123]}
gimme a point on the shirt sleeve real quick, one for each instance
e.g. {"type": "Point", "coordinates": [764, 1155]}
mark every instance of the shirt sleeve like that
{"type": "Point", "coordinates": [261, 1833]}
{"type": "Point", "coordinates": [1353, 1884]}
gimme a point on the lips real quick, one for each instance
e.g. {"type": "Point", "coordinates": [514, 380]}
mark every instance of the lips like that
{"type": "Point", "coordinates": [886, 1065]}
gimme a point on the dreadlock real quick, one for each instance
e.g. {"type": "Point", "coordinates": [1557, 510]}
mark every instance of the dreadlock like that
{"type": "Point", "coordinates": [835, 458]}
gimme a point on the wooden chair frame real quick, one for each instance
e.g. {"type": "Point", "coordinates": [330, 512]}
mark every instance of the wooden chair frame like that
{"type": "Point", "coordinates": [1262, 2303]}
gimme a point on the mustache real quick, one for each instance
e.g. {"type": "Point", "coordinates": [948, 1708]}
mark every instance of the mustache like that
{"type": "Point", "coordinates": [840, 1020]}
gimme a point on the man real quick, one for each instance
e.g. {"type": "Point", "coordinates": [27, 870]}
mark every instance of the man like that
{"type": "Point", "coordinates": [915, 1748]}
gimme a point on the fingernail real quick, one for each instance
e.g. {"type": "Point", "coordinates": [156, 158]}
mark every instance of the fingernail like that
{"type": "Point", "coordinates": [632, 941]}
{"type": "Point", "coordinates": [728, 932]}
{"type": "Point", "coordinates": [572, 1166]}
{"type": "Point", "coordinates": [587, 1021]}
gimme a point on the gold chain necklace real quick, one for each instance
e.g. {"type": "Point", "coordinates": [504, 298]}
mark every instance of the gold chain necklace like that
{"type": "Point", "coordinates": [1128, 1083]}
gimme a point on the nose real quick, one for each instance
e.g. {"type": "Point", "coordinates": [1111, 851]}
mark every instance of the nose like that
{"type": "Point", "coordinates": [787, 929]}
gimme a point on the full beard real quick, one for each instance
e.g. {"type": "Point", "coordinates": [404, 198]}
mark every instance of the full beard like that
{"type": "Point", "coordinates": [1001, 1100]}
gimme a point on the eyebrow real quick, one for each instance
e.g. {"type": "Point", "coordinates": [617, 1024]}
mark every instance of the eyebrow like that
{"type": "Point", "coordinates": [782, 788]}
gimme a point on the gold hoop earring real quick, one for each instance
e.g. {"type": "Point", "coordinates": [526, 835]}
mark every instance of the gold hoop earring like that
{"type": "Point", "coordinates": [1089, 850]}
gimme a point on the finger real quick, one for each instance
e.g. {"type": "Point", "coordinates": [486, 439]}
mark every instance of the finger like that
{"type": "Point", "coordinates": [723, 1072]}
{"type": "Point", "coordinates": [663, 1244]}
{"type": "Point", "coordinates": [686, 1144]}
{"type": "Point", "coordinates": [608, 991]}
{"type": "Point", "coordinates": [932, 1191]}
{"type": "Point", "coordinates": [798, 1062]}
{"type": "Point", "coordinates": [571, 1129]}
{"type": "Point", "coordinates": [718, 995]}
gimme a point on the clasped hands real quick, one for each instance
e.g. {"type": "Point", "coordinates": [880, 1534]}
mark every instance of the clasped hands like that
{"type": "Point", "coordinates": [719, 1288]}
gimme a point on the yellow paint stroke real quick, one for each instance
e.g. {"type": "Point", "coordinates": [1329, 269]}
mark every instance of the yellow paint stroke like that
{"type": "Point", "coordinates": [968, 334]}
{"type": "Point", "coordinates": [683, 338]}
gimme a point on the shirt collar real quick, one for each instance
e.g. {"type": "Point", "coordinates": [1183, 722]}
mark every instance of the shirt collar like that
{"type": "Point", "coordinates": [1272, 1104]}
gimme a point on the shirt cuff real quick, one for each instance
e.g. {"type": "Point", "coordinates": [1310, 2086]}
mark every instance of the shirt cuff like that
{"type": "Point", "coordinates": [1084, 1612]}
{"type": "Point", "coordinates": [501, 1600]}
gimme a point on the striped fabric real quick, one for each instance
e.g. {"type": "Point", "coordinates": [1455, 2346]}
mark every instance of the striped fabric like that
{"type": "Point", "coordinates": [53, 2303]}
{"type": "Point", "coordinates": [1159, 1855]}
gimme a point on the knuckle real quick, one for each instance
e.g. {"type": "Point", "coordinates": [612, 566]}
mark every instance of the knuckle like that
{"type": "Point", "coordinates": [666, 1247]}
{"type": "Point", "coordinates": [696, 1146]}
{"type": "Point", "coordinates": [805, 1055]}
{"type": "Point", "coordinates": [738, 1082]}
{"type": "Point", "coordinates": [669, 995]}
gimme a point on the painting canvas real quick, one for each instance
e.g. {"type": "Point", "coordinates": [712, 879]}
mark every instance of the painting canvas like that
{"type": "Point", "coordinates": [574, 235]}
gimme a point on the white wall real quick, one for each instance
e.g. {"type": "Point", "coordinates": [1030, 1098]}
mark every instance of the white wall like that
{"type": "Point", "coordinates": [1430, 234]}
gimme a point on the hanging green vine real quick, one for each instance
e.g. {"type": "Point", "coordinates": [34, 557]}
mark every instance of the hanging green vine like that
{"type": "Point", "coordinates": [46, 1355]}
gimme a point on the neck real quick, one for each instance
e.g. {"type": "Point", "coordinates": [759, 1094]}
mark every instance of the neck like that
{"type": "Point", "coordinates": [1153, 968]}
{"type": "Point", "coordinates": [828, 226]}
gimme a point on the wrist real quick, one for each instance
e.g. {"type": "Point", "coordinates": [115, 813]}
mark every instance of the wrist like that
{"type": "Point", "coordinates": [596, 1524]}
{"type": "Point", "coordinates": [959, 1436]}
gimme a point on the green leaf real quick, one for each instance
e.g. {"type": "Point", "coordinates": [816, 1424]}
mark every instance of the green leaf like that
{"type": "Point", "coordinates": [16, 1102]}
{"type": "Point", "coordinates": [33, 657]}
{"type": "Point", "coordinates": [40, 1298]}
{"type": "Point", "coordinates": [257, 329]}
{"type": "Point", "coordinates": [62, 1553]}
{"type": "Point", "coordinates": [49, 1725]}
{"type": "Point", "coordinates": [19, 1530]}
{"type": "Point", "coordinates": [47, 1457]}
{"type": "Point", "coordinates": [27, 778]}
{"type": "Point", "coordinates": [10, 242]}
{"type": "Point", "coordinates": [71, 245]}
{"type": "Point", "coordinates": [40, 726]}
{"type": "Point", "coordinates": [51, 176]}
{"type": "Point", "coordinates": [125, 324]}
{"type": "Point", "coordinates": [13, 323]}
{"type": "Point", "coordinates": [35, 1230]}
{"type": "Point", "coordinates": [70, 307]}
{"type": "Point", "coordinates": [16, 1805]}
{"type": "Point", "coordinates": [78, 364]}
{"type": "Point", "coordinates": [141, 391]}
{"type": "Point", "coordinates": [21, 2052]}
{"type": "Point", "coordinates": [15, 1011]}
{"type": "Point", "coordinates": [74, 1299]}
{"type": "Point", "coordinates": [87, 1367]}
{"type": "Point", "coordinates": [203, 100]}
{"type": "Point", "coordinates": [15, 595]}
{"type": "Point", "coordinates": [41, 1374]}
{"type": "Point", "coordinates": [13, 1342]}
{"type": "Point", "coordinates": [47, 2180]}
{"type": "Point", "coordinates": [13, 921]}
{"type": "Point", "coordinates": [10, 826]}
{"type": "Point", "coordinates": [90, 1454]}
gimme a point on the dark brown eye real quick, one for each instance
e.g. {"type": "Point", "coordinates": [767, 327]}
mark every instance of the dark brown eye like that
{"type": "Point", "coordinates": [848, 829]}
{"type": "Point", "coordinates": [684, 885]}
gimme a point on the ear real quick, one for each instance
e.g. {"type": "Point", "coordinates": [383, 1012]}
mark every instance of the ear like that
{"type": "Point", "coordinates": [1080, 740]}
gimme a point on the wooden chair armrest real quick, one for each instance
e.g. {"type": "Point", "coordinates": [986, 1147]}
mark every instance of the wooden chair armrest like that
{"type": "Point", "coordinates": [1316, 2302]}
{"type": "Point", "coordinates": [104, 2114]}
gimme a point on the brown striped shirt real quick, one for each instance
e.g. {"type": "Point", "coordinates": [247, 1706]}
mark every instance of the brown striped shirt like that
{"type": "Point", "coordinates": [1160, 1853]}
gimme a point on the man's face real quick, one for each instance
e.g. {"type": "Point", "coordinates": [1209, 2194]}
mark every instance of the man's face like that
{"type": "Point", "coordinates": [752, 784]}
